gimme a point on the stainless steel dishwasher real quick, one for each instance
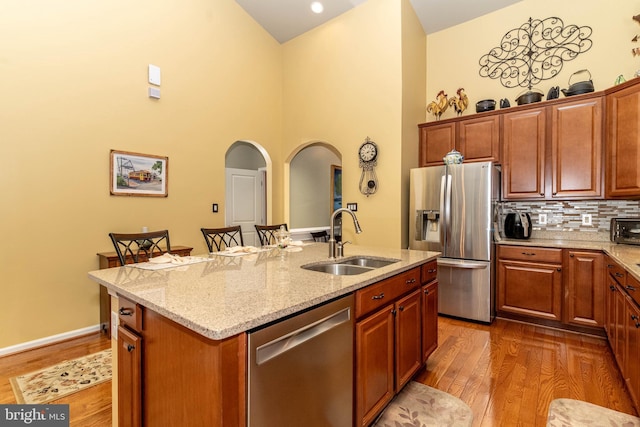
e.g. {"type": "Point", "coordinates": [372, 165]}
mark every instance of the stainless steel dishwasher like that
{"type": "Point", "coordinates": [301, 369]}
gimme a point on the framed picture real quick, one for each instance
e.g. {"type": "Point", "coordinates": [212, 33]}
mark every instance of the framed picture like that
{"type": "Point", "coordinates": [135, 174]}
{"type": "Point", "coordinates": [336, 187]}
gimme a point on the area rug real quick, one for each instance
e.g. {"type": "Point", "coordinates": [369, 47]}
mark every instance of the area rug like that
{"type": "Point", "coordinates": [62, 379]}
{"type": "Point", "coordinates": [418, 405]}
{"type": "Point", "coordinates": [576, 413]}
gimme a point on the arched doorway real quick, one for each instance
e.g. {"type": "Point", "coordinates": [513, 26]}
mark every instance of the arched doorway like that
{"type": "Point", "coordinates": [247, 190]}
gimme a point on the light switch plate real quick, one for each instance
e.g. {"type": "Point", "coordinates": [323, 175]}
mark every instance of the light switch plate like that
{"type": "Point", "coordinates": [352, 206]}
{"type": "Point", "coordinates": [154, 75]}
{"type": "Point", "coordinates": [214, 208]}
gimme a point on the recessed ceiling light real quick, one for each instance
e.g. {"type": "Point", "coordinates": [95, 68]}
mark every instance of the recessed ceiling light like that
{"type": "Point", "coordinates": [317, 7]}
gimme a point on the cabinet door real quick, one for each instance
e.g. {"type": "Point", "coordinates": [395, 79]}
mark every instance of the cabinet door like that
{"type": "Point", "coordinates": [530, 289]}
{"type": "Point", "coordinates": [374, 364]}
{"type": "Point", "coordinates": [610, 312]}
{"type": "Point", "coordinates": [621, 329]}
{"type": "Point", "coordinates": [576, 149]}
{"type": "Point", "coordinates": [429, 319]}
{"type": "Point", "coordinates": [435, 142]}
{"type": "Point", "coordinates": [479, 139]}
{"type": "Point", "coordinates": [523, 162]}
{"type": "Point", "coordinates": [129, 378]}
{"type": "Point", "coordinates": [408, 342]}
{"type": "Point", "coordinates": [633, 350]}
{"type": "Point", "coordinates": [623, 143]}
{"type": "Point", "coordinates": [584, 288]}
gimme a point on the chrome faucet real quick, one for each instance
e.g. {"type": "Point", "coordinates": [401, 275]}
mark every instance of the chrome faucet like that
{"type": "Point", "coordinates": [332, 236]}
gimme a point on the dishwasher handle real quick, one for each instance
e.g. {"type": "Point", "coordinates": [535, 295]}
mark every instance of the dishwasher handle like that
{"type": "Point", "coordinates": [293, 339]}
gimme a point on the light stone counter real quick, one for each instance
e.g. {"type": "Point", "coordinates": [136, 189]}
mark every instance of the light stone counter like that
{"type": "Point", "coordinates": [628, 256]}
{"type": "Point", "coordinates": [225, 296]}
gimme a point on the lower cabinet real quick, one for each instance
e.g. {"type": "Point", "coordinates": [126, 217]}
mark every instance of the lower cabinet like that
{"type": "Point", "coordinates": [396, 330]}
{"type": "Point", "coordinates": [563, 286]}
{"type": "Point", "coordinates": [129, 378]}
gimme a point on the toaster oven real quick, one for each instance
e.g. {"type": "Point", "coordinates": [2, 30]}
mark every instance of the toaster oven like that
{"type": "Point", "coordinates": [625, 230]}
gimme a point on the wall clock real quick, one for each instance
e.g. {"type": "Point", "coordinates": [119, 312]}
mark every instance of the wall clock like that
{"type": "Point", "coordinates": [368, 154]}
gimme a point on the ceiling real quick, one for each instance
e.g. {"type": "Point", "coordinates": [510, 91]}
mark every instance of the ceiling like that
{"type": "Point", "coordinates": [286, 19]}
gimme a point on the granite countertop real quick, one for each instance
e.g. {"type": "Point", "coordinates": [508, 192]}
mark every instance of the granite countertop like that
{"type": "Point", "coordinates": [224, 296]}
{"type": "Point", "coordinates": [628, 256]}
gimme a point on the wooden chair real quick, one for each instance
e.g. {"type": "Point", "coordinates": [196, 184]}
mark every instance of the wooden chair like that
{"type": "Point", "coordinates": [222, 238]}
{"type": "Point", "coordinates": [140, 246]}
{"type": "Point", "coordinates": [320, 236]}
{"type": "Point", "coordinates": [267, 233]}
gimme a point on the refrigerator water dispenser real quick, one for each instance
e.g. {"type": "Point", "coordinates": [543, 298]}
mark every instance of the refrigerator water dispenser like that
{"type": "Point", "coordinates": [428, 225]}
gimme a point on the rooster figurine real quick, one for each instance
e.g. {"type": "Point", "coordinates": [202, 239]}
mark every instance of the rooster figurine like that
{"type": "Point", "coordinates": [438, 106]}
{"type": "Point", "coordinates": [459, 103]}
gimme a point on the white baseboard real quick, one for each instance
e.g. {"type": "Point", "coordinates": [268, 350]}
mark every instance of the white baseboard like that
{"type": "Point", "coordinates": [48, 340]}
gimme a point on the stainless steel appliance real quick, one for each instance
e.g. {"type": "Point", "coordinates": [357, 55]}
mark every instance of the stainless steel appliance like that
{"type": "Point", "coordinates": [452, 211]}
{"type": "Point", "coordinates": [301, 369]}
{"type": "Point", "coordinates": [625, 230]}
{"type": "Point", "coordinates": [517, 225]}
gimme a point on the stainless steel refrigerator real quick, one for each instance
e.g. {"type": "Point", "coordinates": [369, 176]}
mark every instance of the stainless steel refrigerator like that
{"type": "Point", "coordinates": [453, 211]}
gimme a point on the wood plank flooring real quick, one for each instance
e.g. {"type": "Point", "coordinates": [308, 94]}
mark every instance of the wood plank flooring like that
{"type": "Point", "coordinates": [508, 372]}
{"type": "Point", "coordinates": [87, 408]}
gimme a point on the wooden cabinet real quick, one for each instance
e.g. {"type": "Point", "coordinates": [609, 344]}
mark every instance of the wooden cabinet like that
{"type": "Point", "coordinates": [523, 166]}
{"type": "Point", "coordinates": [623, 141]}
{"type": "Point", "coordinates": [530, 281]}
{"type": "Point", "coordinates": [178, 370]}
{"type": "Point", "coordinates": [477, 138]}
{"type": "Point", "coordinates": [576, 149]}
{"type": "Point", "coordinates": [388, 341]}
{"type": "Point", "coordinates": [429, 319]}
{"type": "Point", "coordinates": [436, 140]}
{"type": "Point", "coordinates": [584, 297]}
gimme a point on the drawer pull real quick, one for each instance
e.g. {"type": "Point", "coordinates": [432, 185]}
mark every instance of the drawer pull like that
{"type": "Point", "coordinates": [130, 348]}
{"type": "Point", "coordinates": [401, 308]}
{"type": "Point", "coordinates": [426, 291]}
{"type": "Point", "coordinates": [571, 255]}
{"type": "Point", "coordinates": [613, 288]}
{"type": "Point", "coordinates": [378, 296]}
{"type": "Point", "coordinates": [529, 253]}
{"type": "Point", "coordinates": [410, 281]}
{"type": "Point", "coordinates": [619, 274]}
{"type": "Point", "coordinates": [431, 270]}
{"type": "Point", "coordinates": [609, 265]}
{"type": "Point", "coordinates": [558, 269]}
{"type": "Point", "coordinates": [631, 288]}
{"type": "Point", "coordinates": [126, 311]}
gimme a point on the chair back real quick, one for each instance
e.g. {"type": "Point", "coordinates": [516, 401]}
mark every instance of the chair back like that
{"type": "Point", "coordinates": [222, 238]}
{"type": "Point", "coordinates": [267, 233]}
{"type": "Point", "coordinates": [320, 236]}
{"type": "Point", "coordinates": [140, 246]}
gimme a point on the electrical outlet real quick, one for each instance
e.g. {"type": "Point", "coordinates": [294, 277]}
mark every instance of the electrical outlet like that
{"type": "Point", "coordinates": [586, 219]}
{"type": "Point", "coordinates": [542, 219]}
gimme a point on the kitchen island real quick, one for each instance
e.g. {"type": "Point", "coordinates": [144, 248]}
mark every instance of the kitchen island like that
{"type": "Point", "coordinates": [185, 343]}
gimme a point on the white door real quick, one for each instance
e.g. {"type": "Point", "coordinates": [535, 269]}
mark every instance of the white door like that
{"type": "Point", "coordinates": [244, 202]}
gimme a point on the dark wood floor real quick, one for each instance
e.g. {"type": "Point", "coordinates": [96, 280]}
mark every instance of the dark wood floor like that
{"type": "Point", "coordinates": [508, 372]}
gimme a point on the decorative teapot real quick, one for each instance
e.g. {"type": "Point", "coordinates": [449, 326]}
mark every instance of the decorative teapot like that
{"type": "Point", "coordinates": [453, 157]}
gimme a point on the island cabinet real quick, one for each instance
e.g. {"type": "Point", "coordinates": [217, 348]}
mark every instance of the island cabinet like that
{"type": "Point", "coordinates": [554, 152]}
{"type": "Point", "coordinates": [623, 141]}
{"type": "Point", "coordinates": [477, 138]}
{"type": "Point", "coordinates": [169, 375]}
{"type": "Point", "coordinates": [530, 282]}
{"type": "Point", "coordinates": [584, 296]}
{"type": "Point", "coordinates": [388, 341]}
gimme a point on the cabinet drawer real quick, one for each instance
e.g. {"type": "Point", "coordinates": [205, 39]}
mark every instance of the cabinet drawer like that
{"type": "Point", "coordinates": [429, 271]}
{"type": "Point", "coordinates": [386, 291]}
{"type": "Point", "coordinates": [129, 313]}
{"type": "Point", "coordinates": [617, 272]}
{"type": "Point", "coordinates": [530, 253]}
{"type": "Point", "coordinates": [633, 288]}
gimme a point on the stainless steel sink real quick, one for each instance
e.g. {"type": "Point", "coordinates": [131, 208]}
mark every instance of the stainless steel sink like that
{"type": "Point", "coordinates": [368, 261]}
{"type": "Point", "coordinates": [350, 266]}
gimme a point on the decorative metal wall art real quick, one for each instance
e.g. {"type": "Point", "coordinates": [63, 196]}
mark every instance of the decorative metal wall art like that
{"type": "Point", "coordinates": [535, 51]}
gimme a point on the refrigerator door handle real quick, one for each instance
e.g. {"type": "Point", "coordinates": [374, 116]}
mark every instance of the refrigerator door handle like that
{"type": "Point", "coordinates": [441, 221]}
{"type": "Point", "coordinates": [462, 264]}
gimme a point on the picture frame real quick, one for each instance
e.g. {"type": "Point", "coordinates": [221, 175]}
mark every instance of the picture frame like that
{"type": "Point", "coordinates": [336, 187]}
{"type": "Point", "coordinates": [135, 174]}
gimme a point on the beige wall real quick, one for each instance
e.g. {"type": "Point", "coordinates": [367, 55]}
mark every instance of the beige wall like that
{"type": "Point", "coordinates": [342, 83]}
{"type": "Point", "coordinates": [73, 87]}
{"type": "Point", "coordinates": [453, 54]}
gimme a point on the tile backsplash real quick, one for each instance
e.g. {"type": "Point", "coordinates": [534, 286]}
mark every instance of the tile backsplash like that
{"type": "Point", "coordinates": [567, 215]}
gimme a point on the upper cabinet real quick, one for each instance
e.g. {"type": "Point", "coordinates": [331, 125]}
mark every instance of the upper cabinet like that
{"type": "Point", "coordinates": [550, 150]}
{"type": "Point", "coordinates": [477, 138]}
{"type": "Point", "coordinates": [623, 141]}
